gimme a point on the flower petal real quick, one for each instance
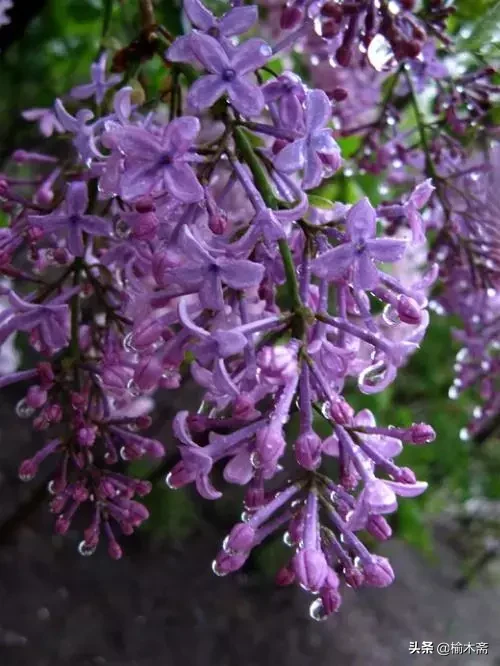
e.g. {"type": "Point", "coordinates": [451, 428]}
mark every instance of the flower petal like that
{"type": "Point", "coordinates": [246, 97]}
{"type": "Point", "coordinates": [365, 272]}
{"type": "Point", "coordinates": [206, 91]}
{"type": "Point", "coordinates": [318, 110]}
{"type": "Point", "coordinates": [251, 55]}
{"type": "Point", "coordinates": [180, 134]}
{"type": "Point", "coordinates": [180, 180]}
{"type": "Point", "coordinates": [407, 489]}
{"type": "Point", "coordinates": [361, 220]}
{"type": "Point", "coordinates": [209, 52]}
{"type": "Point", "coordinates": [198, 14]}
{"type": "Point", "coordinates": [77, 198]}
{"type": "Point", "coordinates": [238, 20]}
{"type": "Point", "coordinates": [292, 157]}
{"type": "Point", "coordinates": [240, 273]}
{"type": "Point", "coordinates": [386, 249]}
{"type": "Point", "coordinates": [333, 263]}
{"type": "Point", "coordinates": [239, 470]}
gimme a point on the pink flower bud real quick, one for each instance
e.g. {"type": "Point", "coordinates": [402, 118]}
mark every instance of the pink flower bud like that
{"type": "Point", "coordinates": [36, 397]}
{"type": "Point", "coordinates": [409, 311]}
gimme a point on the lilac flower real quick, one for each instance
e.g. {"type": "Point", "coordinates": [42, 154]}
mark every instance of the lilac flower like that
{"type": "Point", "coordinates": [289, 93]}
{"type": "Point", "coordinates": [156, 164]}
{"type": "Point", "coordinates": [315, 147]}
{"type": "Point", "coordinates": [47, 121]}
{"type": "Point", "coordinates": [209, 273]}
{"type": "Point", "coordinates": [361, 250]}
{"type": "Point", "coordinates": [50, 319]}
{"type": "Point", "coordinates": [72, 219]}
{"type": "Point", "coordinates": [228, 74]}
{"type": "Point", "coordinates": [237, 21]}
{"type": "Point", "coordinates": [99, 85]}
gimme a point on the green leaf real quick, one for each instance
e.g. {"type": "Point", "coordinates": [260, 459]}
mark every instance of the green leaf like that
{"type": "Point", "coordinates": [320, 202]}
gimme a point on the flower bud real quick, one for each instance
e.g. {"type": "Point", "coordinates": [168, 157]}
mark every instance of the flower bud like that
{"type": "Point", "coordinates": [421, 433]}
{"type": "Point", "coordinates": [36, 397]}
{"type": "Point", "coordinates": [310, 568]}
{"type": "Point", "coordinates": [409, 311]}
{"type": "Point", "coordinates": [378, 572]}
{"type": "Point", "coordinates": [285, 576]}
{"type": "Point", "coordinates": [308, 450]}
{"type": "Point", "coordinates": [240, 539]}
{"type": "Point", "coordinates": [290, 17]}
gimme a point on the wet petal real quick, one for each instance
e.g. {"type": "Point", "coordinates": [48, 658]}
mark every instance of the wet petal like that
{"type": "Point", "coordinates": [198, 14]}
{"type": "Point", "coordinates": [251, 55]}
{"type": "Point", "coordinates": [246, 97]}
{"type": "Point", "coordinates": [240, 273]}
{"type": "Point", "coordinates": [318, 110]}
{"type": "Point", "coordinates": [334, 263]}
{"type": "Point", "coordinates": [365, 272]}
{"type": "Point", "coordinates": [180, 180]}
{"type": "Point", "coordinates": [386, 249]}
{"type": "Point", "coordinates": [77, 198]}
{"type": "Point", "coordinates": [206, 91]}
{"type": "Point", "coordinates": [361, 221]}
{"type": "Point", "coordinates": [209, 52]}
{"type": "Point", "coordinates": [180, 134]}
{"type": "Point", "coordinates": [292, 157]}
{"type": "Point", "coordinates": [238, 20]}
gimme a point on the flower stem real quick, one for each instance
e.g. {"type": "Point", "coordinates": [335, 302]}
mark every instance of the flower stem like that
{"type": "Point", "coordinates": [263, 185]}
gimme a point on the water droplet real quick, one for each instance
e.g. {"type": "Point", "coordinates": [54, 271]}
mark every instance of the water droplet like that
{"type": "Point", "coordinates": [123, 453]}
{"type": "Point", "coordinates": [390, 315]}
{"type": "Point", "coordinates": [462, 354]}
{"type": "Point", "coordinates": [287, 539]}
{"type": "Point", "coordinates": [464, 434]}
{"type": "Point", "coordinates": [51, 487]}
{"type": "Point", "coordinates": [485, 366]}
{"type": "Point", "coordinates": [491, 293]}
{"type": "Point", "coordinates": [391, 121]}
{"type": "Point", "coordinates": [23, 410]}
{"type": "Point", "coordinates": [266, 51]}
{"type": "Point", "coordinates": [397, 164]}
{"type": "Point", "coordinates": [169, 481]}
{"type": "Point", "coordinates": [217, 570]}
{"type": "Point", "coordinates": [86, 549]}
{"type": "Point", "coordinates": [255, 460]}
{"type": "Point", "coordinates": [477, 412]}
{"type": "Point", "coordinates": [133, 388]}
{"type": "Point", "coordinates": [317, 611]}
{"type": "Point", "coordinates": [380, 54]}
{"type": "Point", "coordinates": [225, 547]}
{"type": "Point", "coordinates": [348, 172]}
{"type": "Point", "coordinates": [127, 343]}
{"type": "Point", "coordinates": [122, 230]}
{"type": "Point", "coordinates": [383, 190]}
{"type": "Point", "coordinates": [245, 516]}
{"type": "Point", "coordinates": [453, 393]}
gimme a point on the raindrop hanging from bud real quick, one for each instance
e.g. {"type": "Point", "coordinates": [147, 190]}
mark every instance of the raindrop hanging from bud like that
{"type": "Point", "coordinates": [317, 611]}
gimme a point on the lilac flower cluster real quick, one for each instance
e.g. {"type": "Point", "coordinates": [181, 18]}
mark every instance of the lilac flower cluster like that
{"type": "Point", "coordinates": [194, 239]}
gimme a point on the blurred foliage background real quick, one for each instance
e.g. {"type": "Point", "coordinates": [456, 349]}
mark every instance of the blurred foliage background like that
{"type": "Point", "coordinates": [49, 49]}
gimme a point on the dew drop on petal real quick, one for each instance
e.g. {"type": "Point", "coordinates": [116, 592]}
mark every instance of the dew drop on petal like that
{"type": "Point", "coordinates": [464, 435]}
{"type": "Point", "coordinates": [287, 539]}
{"type": "Point", "coordinates": [217, 570]}
{"type": "Point", "coordinates": [453, 393]}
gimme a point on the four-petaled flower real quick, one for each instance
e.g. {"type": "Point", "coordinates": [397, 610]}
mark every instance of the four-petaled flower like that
{"type": "Point", "coordinates": [316, 148]}
{"type": "Point", "coordinates": [237, 21]}
{"type": "Point", "coordinates": [159, 164]}
{"type": "Point", "coordinates": [99, 84]}
{"type": "Point", "coordinates": [208, 273]}
{"type": "Point", "coordinates": [72, 219]}
{"type": "Point", "coordinates": [360, 251]}
{"type": "Point", "coordinates": [228, 74]}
